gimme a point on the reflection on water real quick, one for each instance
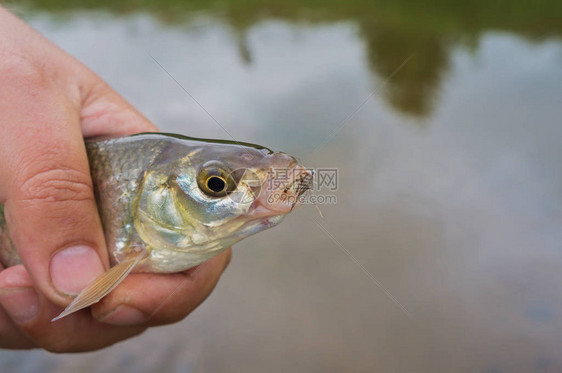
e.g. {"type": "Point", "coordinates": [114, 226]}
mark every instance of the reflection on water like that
{"type": "Point", "coordinates": [459, 218]}
{"type": "Point", "coordinates": [392, 31]}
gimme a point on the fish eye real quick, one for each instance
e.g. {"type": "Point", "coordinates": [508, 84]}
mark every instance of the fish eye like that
{"type": "Point", "coordinates": [216, 183]}
{"type": "Point", "coordinates": [214, 180]}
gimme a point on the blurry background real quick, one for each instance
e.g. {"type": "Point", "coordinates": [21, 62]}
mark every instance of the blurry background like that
{"type": "Point", "coordinates": [443, 120]}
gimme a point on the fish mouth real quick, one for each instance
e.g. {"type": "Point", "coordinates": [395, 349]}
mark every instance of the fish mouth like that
{"type": "Point", "coordinates": [280, 195]}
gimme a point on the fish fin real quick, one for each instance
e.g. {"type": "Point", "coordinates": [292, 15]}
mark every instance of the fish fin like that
{"type": "Point", "coordinates": [102, 285]}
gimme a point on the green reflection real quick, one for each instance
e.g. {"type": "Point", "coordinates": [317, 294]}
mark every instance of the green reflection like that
{"type": "Point", "coordinates": [392, 30]}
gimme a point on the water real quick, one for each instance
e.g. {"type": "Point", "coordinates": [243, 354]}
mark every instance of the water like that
{"type": "Point", "coordinates": [444, 125]}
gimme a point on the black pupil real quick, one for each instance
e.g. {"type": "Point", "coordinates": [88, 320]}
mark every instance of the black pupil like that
{"type": "Point", "coordinates": [216, 184]}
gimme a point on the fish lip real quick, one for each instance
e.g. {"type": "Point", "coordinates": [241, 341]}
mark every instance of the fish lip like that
{"type": "Point", "coordinates": [259, 210]}
{"type": "Point", "coordinates": [258, 223]}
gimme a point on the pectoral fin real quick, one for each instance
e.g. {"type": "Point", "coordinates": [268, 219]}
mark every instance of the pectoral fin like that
{"type": "Point", "coordinates": [102, 285]}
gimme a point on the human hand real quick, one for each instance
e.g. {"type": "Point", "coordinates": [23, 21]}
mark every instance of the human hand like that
{"type": "Point", "coordinates": [48, 103]}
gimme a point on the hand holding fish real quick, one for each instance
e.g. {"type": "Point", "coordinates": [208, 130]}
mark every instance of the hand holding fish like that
{"type": "Point", "coordinates": [48, 103]}
{"type": "Point", "coordinates": [95, 222]}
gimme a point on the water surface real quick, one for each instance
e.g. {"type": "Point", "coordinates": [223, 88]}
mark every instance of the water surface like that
{"type": "Point", "coordinates": [444, 125]}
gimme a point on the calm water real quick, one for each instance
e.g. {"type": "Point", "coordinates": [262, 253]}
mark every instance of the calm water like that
{"type": "Point", "coordinates": [444, 125]}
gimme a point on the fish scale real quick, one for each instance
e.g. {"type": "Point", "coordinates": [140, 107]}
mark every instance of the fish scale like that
{"type": "Point", "coordinates": [125, 161]}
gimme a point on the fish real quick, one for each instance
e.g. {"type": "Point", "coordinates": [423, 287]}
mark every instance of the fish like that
{"type": "Point", "coordinates": [169, 202]}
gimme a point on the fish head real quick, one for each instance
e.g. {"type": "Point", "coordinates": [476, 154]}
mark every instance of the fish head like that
{"type": "Point", "coordinates": [194, 199]}
{"type": "Point", "coordinates": [205, 197]}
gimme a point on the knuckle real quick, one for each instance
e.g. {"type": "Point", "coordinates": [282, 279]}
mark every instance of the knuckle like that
{"type": "Point", "coordinates": [57, 184]}
{"type": "Point", "coordinates": [31, 76]}
{"type": "Point", "coordinates": [25, 70]}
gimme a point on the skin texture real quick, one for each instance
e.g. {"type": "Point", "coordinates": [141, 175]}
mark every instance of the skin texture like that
{"type": "Point", "coordinates": [48, 103]}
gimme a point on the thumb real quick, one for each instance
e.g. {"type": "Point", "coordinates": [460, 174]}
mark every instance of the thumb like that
{"type": "Point", "coordinates": [46, 188]}
{"type": "Point", "coordinates": [45, 184]}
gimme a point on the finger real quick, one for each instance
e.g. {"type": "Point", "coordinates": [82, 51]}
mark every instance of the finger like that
{"type": "Point", "coordinates": [10, 335]}
{"type": "Point", "coordinates": [46, 186]}
{"type": "Point", "coordinates": [152, 299]}
{"type": "Point", "coordinates": [105, 112]}
{"type": "Point", "coordinates": [13, 296]}
{"type": "Point", "coordinates": [32, 313]}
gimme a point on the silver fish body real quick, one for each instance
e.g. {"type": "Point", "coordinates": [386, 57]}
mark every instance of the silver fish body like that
{"type": "Point", "coordinates": [148, 198]}
{"type": "Point", "coordinates": [169, 202]}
